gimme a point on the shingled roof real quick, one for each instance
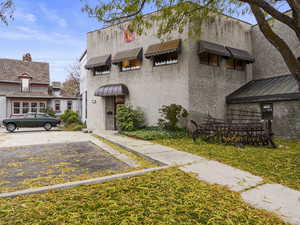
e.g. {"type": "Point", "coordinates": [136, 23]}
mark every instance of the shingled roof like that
{"type": "Point", "coordinates": [10, 69]}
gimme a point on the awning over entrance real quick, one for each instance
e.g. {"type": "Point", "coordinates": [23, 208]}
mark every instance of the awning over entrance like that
{"type": "Point", "coordinates": [163, 48]}
{"type": "Point", "coordinates": [212, 48]}
{"type": "Point", "coordinates": [104, 60]}
{"type": "Point", "coordinates": [136, 53]}
{"type": "Point", "coordinates": [241, 54]}
{"type": "Point", "coordinates": [112, 90]}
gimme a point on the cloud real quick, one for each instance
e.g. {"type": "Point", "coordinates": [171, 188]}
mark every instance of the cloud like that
{"type": "Point", "coordinates": [22, 16]}
{"type": "Point", "coordinates": [30, 34]}
{"type": "Point", "coordinates": [53, 16]}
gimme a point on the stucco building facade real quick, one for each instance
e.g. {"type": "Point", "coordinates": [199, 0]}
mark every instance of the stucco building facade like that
{"type": "Point", "coordinates": [201, 74]}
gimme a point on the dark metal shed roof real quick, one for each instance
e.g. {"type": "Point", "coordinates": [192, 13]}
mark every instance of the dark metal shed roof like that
{"type": "Point", "coordinates": [112, 90]}
{"type": "Point", "coordinates": [104, 60]}
{"type": "Point", "coordinates": [163, 48]}
{"type": "Point", "coordinates": [241, 54]}
{"type": "Point", "coordinates": [136, 53]}
{"type": "Point", "coordinates": [281, 88]}
{"type": "Point", "coordinates": [212, 48]}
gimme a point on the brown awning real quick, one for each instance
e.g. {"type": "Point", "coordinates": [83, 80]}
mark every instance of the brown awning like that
{"type": "Point", "coordinates": [136, 53]}
{"type": "Point", "coordinates": [112, 90]}
{"type": "Point", "coordinates": [163, 48]}
{"type": "Point", "coordinates": [104, 60]}
{"type": "Point", "coordinates": [212, 48]}
{"type": "Point", "coordinates": [241, 54]}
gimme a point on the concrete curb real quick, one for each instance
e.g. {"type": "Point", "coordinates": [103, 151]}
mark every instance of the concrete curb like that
{"type": "Point", "coordinates": [99, 180]}
{"type": "Point", "coordinates": [133, 151]}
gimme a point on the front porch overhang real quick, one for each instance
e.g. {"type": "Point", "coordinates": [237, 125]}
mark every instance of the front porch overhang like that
{"type": "Point", "coordinates": [112, 90]}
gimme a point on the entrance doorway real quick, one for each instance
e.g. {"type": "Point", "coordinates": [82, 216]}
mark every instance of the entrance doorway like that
{"type": "Point", "coordinates": [111, 104]}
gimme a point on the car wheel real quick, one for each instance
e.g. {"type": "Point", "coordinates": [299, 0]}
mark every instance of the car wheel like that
{"type": "Point", "coordinates": [11, 127]}
{"type": "Point", "coordinates": [47, 126]}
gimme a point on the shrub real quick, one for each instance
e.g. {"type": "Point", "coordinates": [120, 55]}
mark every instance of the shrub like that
{"type": "Point", "coordinates": [156, 133]}
{"type": "Point", "coordinates": [129, 119]}
{"type": "Point", "coordinates": [171, 115]}
{"type": "Point", "coordinates": [70, 117]}
{"type": "Point", "coordinates": [50, 112]}
{"type": "Point", "coordinates": [74, 127]}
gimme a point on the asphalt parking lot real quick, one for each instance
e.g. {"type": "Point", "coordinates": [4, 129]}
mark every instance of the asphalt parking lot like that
{"type": "Point", "coordinates": [43, 164]}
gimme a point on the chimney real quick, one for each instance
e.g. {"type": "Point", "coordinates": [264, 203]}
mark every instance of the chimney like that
{"type": "Point", "coordinates": [27, 58]}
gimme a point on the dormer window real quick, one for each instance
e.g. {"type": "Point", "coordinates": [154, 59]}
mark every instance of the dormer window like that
{"type": "Point", "coordinates": [25, 85]}
{"type": "Point", "coordinates": [25, 82]}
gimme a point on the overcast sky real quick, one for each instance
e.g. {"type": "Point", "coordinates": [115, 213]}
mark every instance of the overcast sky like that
{"type": "Point", "coordinates": [52, 31]}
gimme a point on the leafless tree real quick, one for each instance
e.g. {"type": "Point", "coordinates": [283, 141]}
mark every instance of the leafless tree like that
{"type": "Point", "coordinates": [72, 84]}
{"type": "Point", "coordinates": [6, 11]}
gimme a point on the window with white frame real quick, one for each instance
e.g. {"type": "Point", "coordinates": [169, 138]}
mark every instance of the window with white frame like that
{"type": "Point", "coordinates": [42, 108]}
{"type": "Point", "coordinates": [57, 106]}
{"type": "Point", "coordinates": [21, 108]}
{"type": "Point", "coordinates": [17, 108]}
{"type": "Point", "coordinates": [25, 107]}
{"type": "Point", "coordinates": [69, 105]}
{"type": "Point", "coordinates": [25, 85]}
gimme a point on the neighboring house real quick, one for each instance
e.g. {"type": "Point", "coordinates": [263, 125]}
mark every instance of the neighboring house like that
{"type": "Point", "coordinates": [61, 101]}
{"type": "Point", "coordinates": [83, 86]}
{"type": "Point", "coordinates": [25, 88]}
{"type": "Point", "coordinates": [220, 72]}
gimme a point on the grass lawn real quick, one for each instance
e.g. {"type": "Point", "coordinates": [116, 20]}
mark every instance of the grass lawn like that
{"type": "Point", "coordinates": [281, 165]}
{"type": "Point", "coordinates": [167, 197]}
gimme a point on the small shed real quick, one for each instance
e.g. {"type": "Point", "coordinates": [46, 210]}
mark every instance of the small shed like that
{"type": "Point", "coordinates": [278, 98]}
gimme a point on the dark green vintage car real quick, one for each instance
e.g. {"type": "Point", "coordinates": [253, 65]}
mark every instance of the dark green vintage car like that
{"type": "Point", "coordinates": [31, 120]}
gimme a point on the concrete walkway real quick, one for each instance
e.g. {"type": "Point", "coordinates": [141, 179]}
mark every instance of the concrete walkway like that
{"type": "Point", "coordinates": [276, 198]}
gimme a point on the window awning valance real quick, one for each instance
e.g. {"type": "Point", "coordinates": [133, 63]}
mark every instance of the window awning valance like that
{"type": "Point", "coordinates": [241, 55]}
{"type": "Point", "coordinates": [163, 48]}
{"type": "Point", "coordinates": [136, 53]}
{"type": "Point", "coordinates": [112, 90]}
{"type": "Point", "coordinates": [104, 60]}
{"type": "Point", "coordinates": [212, 48]}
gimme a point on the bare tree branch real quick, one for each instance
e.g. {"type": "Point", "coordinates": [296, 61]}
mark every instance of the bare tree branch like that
{"type": "Point", "coordinates": [6, 11]}
{"type": "Point", "coordinates": [276, 14]}
{"type": "Point", "coordinates": [287, 54]}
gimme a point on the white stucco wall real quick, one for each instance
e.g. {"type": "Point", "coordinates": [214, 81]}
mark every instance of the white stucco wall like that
{"type": "Point", "coordinates": [269, 62]}
{"type": "Point", "coordinates": [150, 87]}
{"type": "Point", "coordinates": [2, 108]}
{"type": "Point", "coordinates": [209, 85]}
{"type": "Point", "coordinates": [83, 87]}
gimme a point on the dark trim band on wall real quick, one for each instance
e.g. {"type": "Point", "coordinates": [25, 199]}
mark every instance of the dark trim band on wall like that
{"type": "Point", "coordinates": [266, 98]}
